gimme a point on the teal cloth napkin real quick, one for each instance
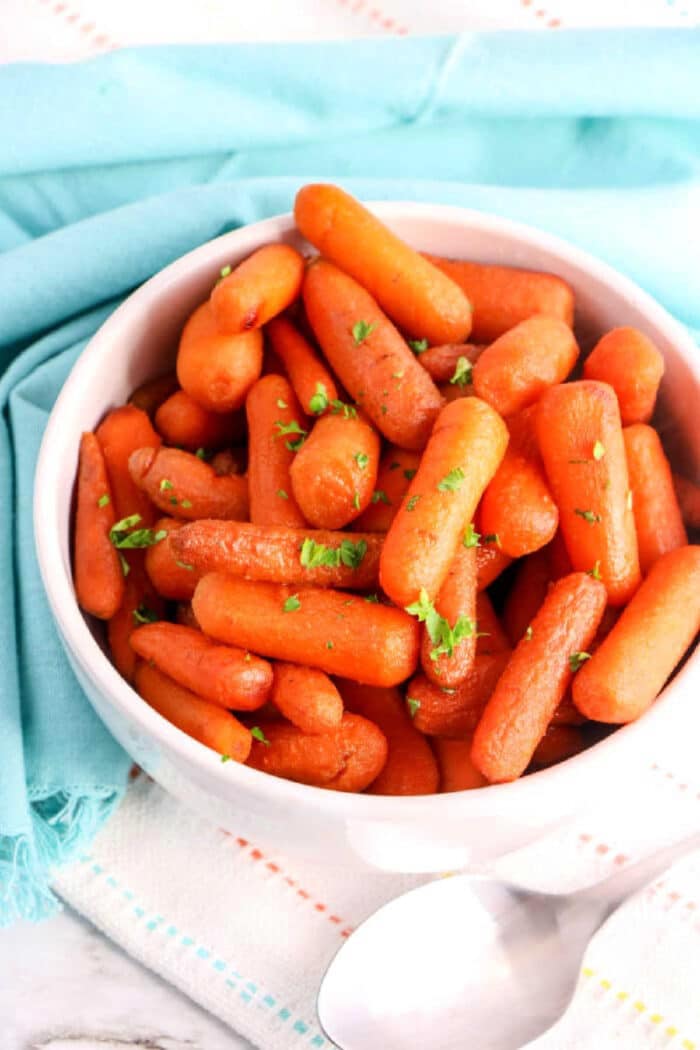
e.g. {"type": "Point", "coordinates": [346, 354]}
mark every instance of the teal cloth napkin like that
{"type": "Point", "coordinates": [111, 168]}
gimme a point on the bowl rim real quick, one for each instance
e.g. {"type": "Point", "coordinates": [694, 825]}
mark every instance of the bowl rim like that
{"type": "Point", "coordinates": [574, 775]}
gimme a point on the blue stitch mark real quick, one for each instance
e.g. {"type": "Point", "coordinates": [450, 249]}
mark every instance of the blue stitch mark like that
{"type": "Point", "coordinates": [318, 1040]}
{"type": "Point", "coordinates": [139, 912]}
{"type": "Point", "coordinates": [251, 987]}
{"type": "Point", "coordinates": [237, 974]}
{"type": "Point", "coordinates": [219, 965]}
{"type": "Point", "coordinates": [187, 941]}
{"type": "Point", "coordinates": [231, 984]}
{"type": "Point", "coordinates": [129, 895]}
{"type": "Point", "coordinates": [269, 1001]}
{"type": "Point", "coordinates": [96, 868]}
{"type": "Point", "coordinates": [171, 931]}
{"type": "Point", "coordinates": [202, 953]}
{"type": "Point", "coordinates": [152, 925]}
{"type": "Point", "coordinates": [111, 881]}
{"type": "Point", "coordinates": [284, 1013]}
{"type": "Point", "coordinates": [300, 1027]}
{"type": "Point", "coordinates": [245, 997]}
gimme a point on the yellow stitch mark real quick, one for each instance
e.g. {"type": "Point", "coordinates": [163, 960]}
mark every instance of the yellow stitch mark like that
{"type": "Point", "coordinates": [671, 1031]}
{"type": "Point", "coordinates": [587, 972]}
{"type": "Point", "coordinates": [655, 1018]}
{"type": "Point", "coordinates": [623, 995]}
{"type": "Point", "coordinates": [605, 984]}
{"type": "Point", "coordinates": [687, 1045]}
{"type": "Point", "coordinates": [641, 1007]}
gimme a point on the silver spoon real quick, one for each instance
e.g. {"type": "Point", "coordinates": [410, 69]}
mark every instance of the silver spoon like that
{"type": "Point", "coordinates": [469, 958]}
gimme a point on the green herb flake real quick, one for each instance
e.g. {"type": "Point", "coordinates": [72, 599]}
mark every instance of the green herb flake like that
{"type": "Point", "coordinates": [257, 734]}
{"type": "Point", "coordinates": [397, 375]}
{"type": "Point", "coordinates": [441, 634]}
{"type": "Point", "coordinates": [144, 615]}
{"type": "Point", "coordinates": [411, 503]}
{"type": "Point", "coordinates": [463, 372]}
{"type": "Point", "coordinates": [452, 481]}
{"type": "Point", "coordinates": [340, 408]}
{"type": "Point", "coordinates": [384, 409]}
{"type": "Point", "coordinates": [588, 516]}
{"type": "Point", "coordinates": [123, 539]}
{"type": "Point", "coordinates": [576, 660]}
{"type": "Point", "coordinates": [598, 450]}
{"type": "Point", "coordinates": [103, 501]}
{"type": "Point", "coordinates": [372, 598]}
{"type": "Point", "coordinates": [471, 536]}
{"type": "Point", "coordinates": [125, 567]}
{"type": "Point", "coordinates": [224, 272]}
{"type": "Point", "coordinates": [409, 474]}
{"type": "Point", "coordinates": [361, 330]}
{"type": "Point", "coordinates": [380, 496]}
{"type": "Point", "coordinates": [595, 571]}
{"type": "Point", "coordinates": [492, 537]}
{"type": "Point", "coordinates": [419, 346]}
{"type": "Point", "coordinates": [349, 554]}
{"type": "Point", "coordinates": [329, 645]}
{"type": "Point", "coordinates": [291, 428]}
{"type": "Point", "coordinates": [356, 501]}
{"type": "Point", "coordinates": [166, 485]}
{"type": "Point", "coordinates": [281, 403]}
{"type": "Point", "coordinates": [292, 603]}
{"type": "Point", "coordinates": [225, 758]}
{"type": "Point", "coordinates": [395, 465]}
{"type": "Point", "coordinates": [185, 565]}
{"type": "Point", "coordinates": [361, 459]}
{"type": "Point", "coordinates": [185, 504]}
{"type": "Point", "coordinates": [413, 706]}
{"type": "Point", "coordinates": [318, 403]}
{"type": "Point", "coordinates": [173, 500]}
{"type": "Point", "coordinates": [282, 494]}
{"type": "Point", "coordinates": [528, 633]}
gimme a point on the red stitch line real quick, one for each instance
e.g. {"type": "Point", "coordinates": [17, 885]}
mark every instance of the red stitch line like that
{"type": "Point", "coordinates": [541, 12]}
{"type": "Point", "coordinates": [375, 15]}
{"type": "Point", "coordinates": [73, 18]}
{"type": "Point", "coordinates": [669, 775]}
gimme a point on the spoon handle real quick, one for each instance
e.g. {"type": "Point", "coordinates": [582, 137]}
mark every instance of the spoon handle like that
{"type": "Point", "coordinates": [623, 884]}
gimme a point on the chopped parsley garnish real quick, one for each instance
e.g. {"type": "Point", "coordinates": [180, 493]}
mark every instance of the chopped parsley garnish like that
{"type": "Point", "coordinates": [411, 503]}
{"type": "Point", "coordinates": [291, 428]}
{"type": "Point", "coordinates": [576, 660]}
{"type": "Point", "coordinates": [598, 450]}
{"type": "Point", "coordinates": [329, 645]}
{"type": "Point", "coordinates": [384, 409]}
{"type": "Point", "coordinates": [361, 330]}
{"type": "Point", "coordinates": [441, 634]}
{"type": "Point", "coordinates": [380, 496]}
{"type": "Point", "coordinates": [203, 454]}
{"type": "Point", "coordinates": [317, 554]}
{"type": "Point", "coordinates": [361, 459]}
{"type": "Point", "coordinates": [452, 481]}
{"type": "Point", "coordinates": [318, 403]}
{"type": "Point", "coordinates": [103, 500]}
{"type": "Point", "coordinates": [292, 603]}
{"type": "Point", "coordinates": [185, 565]}
{"type": "Point", "coordinates": [463, 372]}
{"type": "Point", "coordinates": [471, 536]}
{"type": "Point", "coordinates": [225, 758]}
{"type": "Point", "coordinates": [492, 537]}
{"type": "Point", "coordinates": [224, 272]}
{"type": "Point", "coordinates": [595, 571]}
{"type": "Point", "coordinates": [186, 503]}
{"type": "Point", "coordinates": [281, 403]}
{"type": "Point", "coordinates": [340, 408]}
{"type": "Point", "coordinates": [419, 346]}
{"type": "Point", "coordinates": [395, 465]}
{"type": "Point", "coordinates": [356, 501]}
{"type": "Point", "coordinates": [257, 734]}
{"type": "Point", "coordinates": [125, 567]}
{"type": "Point", "coordinates": [413, 706]}
{"type": "Point", "coordinates": [123, 539]}
{"type": "Point", "coordinates": [588, 516]}
{"type": "Point", "coordinates": [166, 485]}
{"type": "Point", "coordinates": [144, 615]}
{"type": "Point", "coordinates": [373, 598]}
{"type": "Point", "coordinates": [410, 474]}
{"type": "Point", "coordinates": [282, 494]}
{"type": "Point", "coordinates": [528, 633]}
{"type": "Point", "coordinates": [397, 375]}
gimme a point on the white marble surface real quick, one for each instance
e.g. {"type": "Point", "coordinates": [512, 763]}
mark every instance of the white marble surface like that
{"type": "Point", "coordinates": [64, 986]}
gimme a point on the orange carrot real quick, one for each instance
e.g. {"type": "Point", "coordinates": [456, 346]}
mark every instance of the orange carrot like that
{"type": "Point", "coordinates": [217, 370]}
{"type": "Point", "coordinates": [457, 771]}
{"type": "Point", "coordinates": [558, 744]}
{"type": "Point", "coordinates": [463, 454]}
{"type": "Point", "coordinates": [258, 289]}
{"type": "Point", "coordinates": [514, 372]}
{"type": "Point", "coordinates": [657, 516]}
{"type": "Point", "coordinates": [628, 670]}
{"type": "Point", "coordinates": [451, 362]}
{"type": "Point", "coordinates": [584, 456]}
{"type": "Point", "coordinates": [490, 563]}
{"type": "Point", "coordinates": [321, 628]}
{"type": "Point", "coordinates": [206, 722]}
{"type": "Point", "coordinates": [567, 714]}
{"type": "Point", "coordinates": [185, 487]}
{"type": "Point", "coordinates": [151, 395]}
{"type": "Point", "coordinates": [307, 697]}
{"type": "Point", "coordinates": [413, 292]}
{"type": "Point", "coordinates": [536, 677]}
{"type": "Point", "coordinates": [120, 433]}
{"type": "Point", "coordinates": [370, 357]}
{"type": "Point", "coordinates": [313, 384]}
{"type": "Point", "coordinates": [183, 422]}
{"type": "Point", "coordinates": [447, 658]}
{"type": "Point", "coordinates": [276, 429]}
{"type": "Point", "coordinates": [334, 472]}
{"type": "Point", "coordinates": [526, 595]}
{"type": "Point", "coordinates": [688, 496]}
{"type": "Point", "coordinates": [410, 765]}
{"type": "Point", "coordinates": [280, 555]}
{"type": "Point", "coordinates": [99, 581]}
{"type": "Point", "coordinates": [633, 367]}
{"type": "Point", "coordinates": [141, 604]}
{"type": "Point", "coordinates": [438, 711]}
{"type": "Point", "coordinates": [558, 557]}
{"type": "Point", "coordinates": [397, 468]}
{"type": "Point", "coordinates": [170, 575]}
{"type": "Point", "coordinates": [491, 637]}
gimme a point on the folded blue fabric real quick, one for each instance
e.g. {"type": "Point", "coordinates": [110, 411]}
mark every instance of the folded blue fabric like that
{"type": "Point", "coordinates": [112, 168]}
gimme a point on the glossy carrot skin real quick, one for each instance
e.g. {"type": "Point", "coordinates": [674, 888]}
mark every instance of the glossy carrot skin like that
{"type": "Point", "coordinates": [413, 292]}
{"type": "Point", "coordinates": [208, 723]}
{"type": "Point", "coordinates": [379, 371]}
{"type": "Point", "coordinates": [558, 744]}
{"type": "Point", "coordinates": [536, 678]}
{"type": "Point", "coordinates": [457, 771]}
{"type": "Point", "coordinates": [272, 406]}
{"type": "Point", "coordinates": [490, 563]}
{"type": "Point", "coordinates": [186, 487]}
{"type": "Point", "coordinates": [217, 370]}
{"type": "Point", "coordinates": [252, 615]}
{"type": "Point", "coordinates": [120, 433]}
{"type": "Point", "coordinates": [628, 670]}
{"type": "Point", "coordinates": [558, 556]}
{"type": "Point", "coordinates": [151, 394]}
{"type": "Point", "coordinates": [396, 469]}
{"type": "Point", "coordinates": [657, 517]}
{"type": "Point", "coordinates": [503, 296]}
{"type": "Point", "coordinates": [468, 438]}
{"type": "Point", "coordinates": [688, 496]}
{"type": "Point", "coordinates": [273, 553]}
{"type": "Point", "coordinates": [440, 362]}
{"type": "Point", "coordinates": [330, 484]}
{"type": "Point", "coordinates": [170, 575]}
{"type": "Point", "coordinates": [526, 595]}
{"type": "Point", "coordinates": [258, 289]}
{"type": "Point", "coordinates": [456, 601]}
{"type": "Point", "coordinates": [491, 637]}
{"type": "Point", "coordinates": [141, 598]}
{"type": "Point", "coordinates": [410, 767]}
{"type": "Point", "coordinates": [97, 573]}
{"type": "Point", "coordinates": [515, 370]}
{"type": "Point", "coordinates": [595, 511]}
{"type": "Point", "coordinates": [306, 371]}
{"type": "Point", "coordinates": [455, 713]}
{"type": "Point", "coordinates": [633, 367]}
{"type": "Point", "coordinates": [307, 698]}
{"type": "Point", "coordinates": [183, 422]}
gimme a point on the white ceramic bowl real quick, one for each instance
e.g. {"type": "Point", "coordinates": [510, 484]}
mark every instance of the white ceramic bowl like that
{"type": "Point", "coordinates": [403, 834]}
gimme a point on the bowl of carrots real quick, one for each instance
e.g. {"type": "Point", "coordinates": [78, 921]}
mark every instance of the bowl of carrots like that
{"type": "Point", "coordinates": [368, 530]}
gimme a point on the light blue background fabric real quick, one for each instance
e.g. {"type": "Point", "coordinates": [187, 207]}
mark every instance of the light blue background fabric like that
{"type": "Point", "coordinates": [110, 169]}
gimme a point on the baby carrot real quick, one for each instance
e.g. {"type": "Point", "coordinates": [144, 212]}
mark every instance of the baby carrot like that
{"type": "Point", "coordinates": [410, 765]}
{"type": "Point", "coordinates": [185, 486]}
{"type": "Point", "coordinates": [307, 698]}
{"type": "Point", "coordinates": [584, 456]}
{"type": "Point", "coordinates": [99, 581]}
{"type": "Point", "coordinates": [319, 627]}
{"type": "Point", "coordinates": [515, 370]}
{"type": "Point", "coordinates": [206, 722]}
{"type": "Point", "coordinates": [688, 496]}
{"type": "Point", "coordinates": [258, 289]}
{"type": "Point", "coordinates": [334, 472]}
{"type": "Point", "coordinates": [567, 714]}
{"type": "Point", "coordinates": [491, 638]}
{"type": "Point", "coordinates": [183, 422]}
{"type": "Point", "coordinates": [151, 395]}
{"type": "Point", "coordinates": [217, 370]}
{"type": "Point", "coordinates": [451, 362]}
{"type": "Point", "coordinates": [657, 516]}
{"type": "Point", "coordinates": [281, 555]}
{"type": "Point", "coordinates": [170, 575]}
{"type": "Point", "coordinates": [558, 744]}
{"type": "Point", "coordinates": [558, 556]}
{"type": "Point", "coordinates": [503, 296]}
{"type": "Point", "coordinates": [397, 468]}
{"type": "Point", "coordinates": [631, 665]}
{"type": "Point", "coordinates": [313, 384]}
{"type": "Point", "coordinates": [536, 677]}
{"type": "Point", "coordinates": [465, 448]}
{"type": "Point", "coordinates": [141, 604]}
{"type": "Point", "coordinates": [633, 367]}
{"type": "Point", "coordinates": [120, 433]}
{"type": "Point", "coordinates": [276, 430]}
{"type": "Point", "coordinates": [457, 771]}
{"type": "Point", "coordinates": [370, 357]}
{"type": "Point", "coordinates": [447, 650]}
{"type": "Point", "coordinates": [526, 595]}
{"type": "Point", "coordinates": [413, 292]}
{"type": "Point", "coordinates": [438, 711]}
{"type": "Point", "coordinates": [490, 563]}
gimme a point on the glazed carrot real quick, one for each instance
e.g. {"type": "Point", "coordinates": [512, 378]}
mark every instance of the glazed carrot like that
{"type": "Point", "coordinates": [447, 660]}
{"type": "Point", "coordinates": [183, 422]}
{"type": "Point", "coordinates": [313, 384]}
{"type": "Point", "coordinates": [397, 468]}
{"type": "Point", "coordinates": [370, 357]}
{"type": "Point", "coordinates": [526, 595]}
{"type": "Point", "coordinates": [451, 361]}
{"type": "Point", "coordinates": [464, 451]}
{"type": "Point", "coordinates": [151, 395]}
{"type": "Point", "coordinates": [310, 625]}
{"type": "Point", "coordinates": [514, 372]}
{"type": "Point", "coordinates": [688, 496]}
{"type": "Point", "coordinates": [186, 487]}
{"type": "Point", "coordinates": [120, 433]}
{"type": "Point", "coordinates": [98, 577]}
{"type": "Point", "coordinates": [490, 563]}
{"type": "Point", "coordinates": [517, 505]}
{"type": "Point", "coordinates": [410, 767]}
{"type": "Point", "coordinates": [170, 575]}
{"type": "Point", "coordinates": [657, 516]}
{"type": "Point", "coordinates": [628, 670]}
{"type": "Point", "coordinates": [453, 391]}
{"type": "Point", "coordinates": [536, 677]}
{"type": "Point", "coordinates": [259, 288]}
{"type": "Point", "coordinates": [230, 461]}
{"type": "Point", "coordinates": [334, 472]}
{"type": "Point", "coordinates": [584, 456]}
{"type": "Point", "coordinates": [437, 711]}
{"type": "Point", "coordinates": [347, 759]}
{"type": "Point", "coordinates": [413, 292]}
{"type": "Point", "coordinates": [221, 674]}
{"type": "Point", "coordinates": [558, 556]}
{"type": "Point", "coordinates": [281, 555]}
{"type": "Point", "coordinates": [633, 367]}
{"type": "Point", "coordinates": [206, 722]}
{"type": "Point", "coordinates": [307, 697]}
{"type": "Point", "coordinates": [457, 771]}
{"type": "Point", "coordinates": [503, 296]}
{"type": "Point", "coordinates": [217, 370]}
{"type": "Point", "coordinates": [276, 430]}
{"type": "Point", "coordinates": [141, 604]}
{"type": "Point", "coordinates": [491, 637]}
{"type": "Point", "coordinates": [558, 744]}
